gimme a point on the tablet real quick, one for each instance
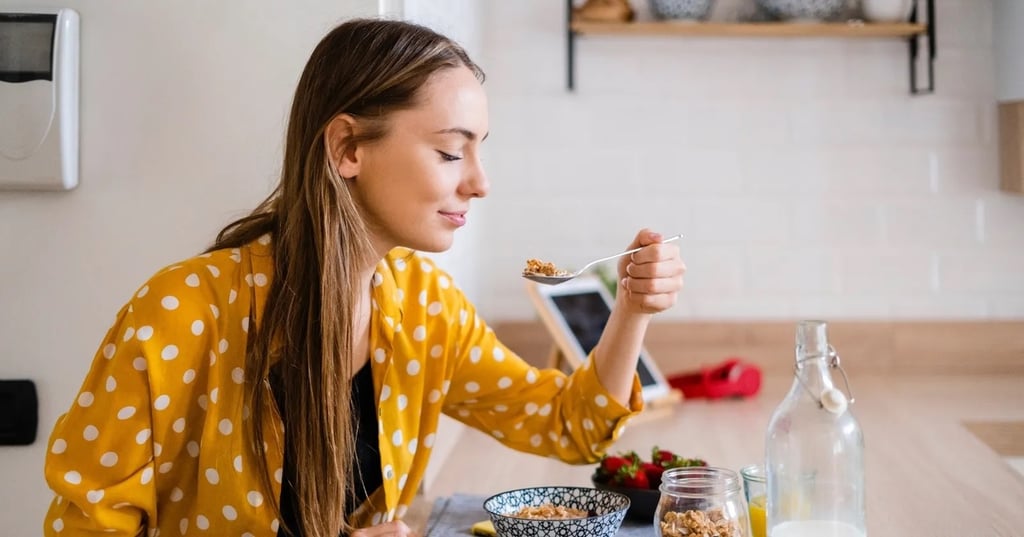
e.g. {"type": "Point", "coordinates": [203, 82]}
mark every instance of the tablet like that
{"type": "Point", "coordinates": [575, 313]}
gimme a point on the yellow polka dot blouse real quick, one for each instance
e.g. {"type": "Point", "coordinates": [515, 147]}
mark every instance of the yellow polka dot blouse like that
{"type": "Point", "coordinates": [154, 442]}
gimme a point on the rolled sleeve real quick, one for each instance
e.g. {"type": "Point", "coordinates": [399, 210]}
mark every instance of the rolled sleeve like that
{"type": "Point", "coordinates": [540, 411]}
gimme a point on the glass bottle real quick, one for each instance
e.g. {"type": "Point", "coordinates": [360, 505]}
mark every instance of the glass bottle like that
{"type": "Point", "coordinates": [701, 500]}
{"type": "Point", "coordinates": [814, 450]}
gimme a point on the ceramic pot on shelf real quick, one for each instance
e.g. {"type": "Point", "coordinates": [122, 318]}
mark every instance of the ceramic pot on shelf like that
{"type": "Point", "coordinates": [887, 10]}
{"type": "Point", "coordinates": [803, 10]}
{"type": "Point", "coordinates": [680, 10]}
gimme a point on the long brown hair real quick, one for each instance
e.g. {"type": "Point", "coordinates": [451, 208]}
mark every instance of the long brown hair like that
{"type": "Point", "coordinates": [368, 69]}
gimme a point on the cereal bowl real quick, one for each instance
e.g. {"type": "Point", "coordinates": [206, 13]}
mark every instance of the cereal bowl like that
{"type": "Point", "coordinates": [596, 513]}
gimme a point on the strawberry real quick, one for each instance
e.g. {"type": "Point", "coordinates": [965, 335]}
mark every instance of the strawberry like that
{"type": "Point", "coordinates": [661, 456]}
{"type": "Point", "coordinates": [633, 477]}
{"type": "Point", "coordinates": [679, 462]}
{"type": "Point", "coordinates": [610, 466]}
{"type": "Point", "coordinates": [653, 472]}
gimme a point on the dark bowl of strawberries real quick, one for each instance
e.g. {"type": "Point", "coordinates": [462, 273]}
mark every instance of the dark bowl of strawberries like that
{"type": "Point", "coordinates": [630, 474]}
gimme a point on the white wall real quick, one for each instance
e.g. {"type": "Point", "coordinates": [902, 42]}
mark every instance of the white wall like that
{"type": "Point", "coordinates": [183, 108]}
{"type": "Point", "coordinates": [807, 181]}
{"type": "Point", "coordinates": [1009, 45]}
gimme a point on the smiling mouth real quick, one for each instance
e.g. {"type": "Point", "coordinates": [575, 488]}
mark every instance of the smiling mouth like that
{"type": "Point", "coordinates": [458, 219]}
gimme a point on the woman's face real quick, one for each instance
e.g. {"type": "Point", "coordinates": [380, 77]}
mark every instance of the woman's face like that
{"type": "Point", "coordinates": [416, 183]}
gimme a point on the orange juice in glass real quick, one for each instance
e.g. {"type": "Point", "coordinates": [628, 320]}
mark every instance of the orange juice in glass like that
{"type": "Point", "coordinates": [756, 490]}
{"type": "Point", "coordinates": [758, 517]}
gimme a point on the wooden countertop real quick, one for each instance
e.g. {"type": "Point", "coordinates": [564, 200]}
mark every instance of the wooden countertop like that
{"type": "Point", "coordinates": [927, 473]}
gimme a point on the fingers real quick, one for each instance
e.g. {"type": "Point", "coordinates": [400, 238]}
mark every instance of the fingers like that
{"type": "Point", "coordinates": [662, 267]}
{"type": "Point", "coordinates": [387, 529]}
{"type": "Point", "coordinates": [652, 253]}
{"type": "Point", "coordinates": [653, 286]}
{"type": "Point", "coordinates": [652, 277]}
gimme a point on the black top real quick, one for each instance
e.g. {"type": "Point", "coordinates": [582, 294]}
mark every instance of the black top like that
{"type": "Point", "coordinates": [366, 476]}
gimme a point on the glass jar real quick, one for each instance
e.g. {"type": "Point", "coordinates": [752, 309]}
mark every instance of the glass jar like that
{"type": "Point", "coordinates": [701, 501]}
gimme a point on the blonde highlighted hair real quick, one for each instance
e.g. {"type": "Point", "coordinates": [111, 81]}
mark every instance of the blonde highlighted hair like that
{"type": "Point", "coordinates": [367, 69]}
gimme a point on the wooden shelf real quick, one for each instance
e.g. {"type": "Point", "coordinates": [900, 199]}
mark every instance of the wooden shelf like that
{"type": "Point", "coordinates": [920, 28]}
{"type": "Point", "coordinates": [758, 29]}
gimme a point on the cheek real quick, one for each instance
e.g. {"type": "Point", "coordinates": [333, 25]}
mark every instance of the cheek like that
{"type": "Point", "coordinates": [406, 182]}
{"type": "Point", "coordinates": [425, 183]}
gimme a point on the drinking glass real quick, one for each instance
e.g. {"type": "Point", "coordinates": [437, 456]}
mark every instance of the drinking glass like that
{"type": "Point", "coordinates": [756, 491]}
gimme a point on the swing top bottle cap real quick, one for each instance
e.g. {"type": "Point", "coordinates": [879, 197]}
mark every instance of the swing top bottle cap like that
{"type": "Point", "coordinates": [834, 400]}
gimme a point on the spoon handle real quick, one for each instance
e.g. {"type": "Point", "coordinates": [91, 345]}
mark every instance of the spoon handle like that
{"type": "Point", "coordinates": [627, 252]}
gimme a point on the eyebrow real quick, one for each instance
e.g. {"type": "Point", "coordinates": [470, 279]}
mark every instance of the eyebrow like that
{"type": "Point", "coordinates": [466, 133]}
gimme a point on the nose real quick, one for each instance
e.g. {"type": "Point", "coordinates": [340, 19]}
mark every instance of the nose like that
{"type": "Point", "coordinates": [475, 184]}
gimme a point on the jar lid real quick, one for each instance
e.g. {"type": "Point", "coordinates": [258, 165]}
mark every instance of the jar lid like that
{"type": "Point", "coordinates": [699, 481]}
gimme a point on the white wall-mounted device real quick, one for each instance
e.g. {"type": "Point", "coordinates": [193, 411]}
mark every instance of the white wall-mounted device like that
{"type": "Point", "coordinates": [39, 99]}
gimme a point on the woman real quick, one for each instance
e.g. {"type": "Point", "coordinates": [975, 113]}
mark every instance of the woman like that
{"type": "Point", "coordinates": [289, 380]}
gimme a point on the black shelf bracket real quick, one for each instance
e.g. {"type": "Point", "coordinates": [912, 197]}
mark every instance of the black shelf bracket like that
{"type": "Point", "coordinates": [570, 47]}
{"type": "Point", "coordinates": [913, 43]}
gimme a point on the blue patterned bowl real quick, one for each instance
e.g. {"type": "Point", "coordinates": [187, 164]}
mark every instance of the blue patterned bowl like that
{"type": "Point", "coordinates": [680, 9]}
{"type": "Point", "coordinates": [605, 508]}
{"type": "Point", "coordinates": [810, 10]}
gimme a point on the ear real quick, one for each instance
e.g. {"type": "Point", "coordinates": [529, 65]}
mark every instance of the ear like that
{"type": "Point", "coordinates": [343, 155]}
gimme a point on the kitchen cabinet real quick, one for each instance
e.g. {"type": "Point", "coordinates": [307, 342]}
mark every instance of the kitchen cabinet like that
{"type": "Point", "coordinates": [1011, 146]}
{"type": "Point", "coordinates": [1008, 37]}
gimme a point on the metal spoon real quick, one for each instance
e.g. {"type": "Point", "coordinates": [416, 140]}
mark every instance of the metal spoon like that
{"type": "Point", "coordinates": [555, 280]}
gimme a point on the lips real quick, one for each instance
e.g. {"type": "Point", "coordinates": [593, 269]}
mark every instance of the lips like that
{"type": "Point", "coordinates": [456, 218]}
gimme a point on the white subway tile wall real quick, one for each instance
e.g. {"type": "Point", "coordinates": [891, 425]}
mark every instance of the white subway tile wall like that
{"type": "Point", "coordinates": [805, 178]}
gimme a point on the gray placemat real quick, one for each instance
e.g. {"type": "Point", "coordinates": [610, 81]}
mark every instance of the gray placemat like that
{"type": "Point", "coordinates": [454, 515]}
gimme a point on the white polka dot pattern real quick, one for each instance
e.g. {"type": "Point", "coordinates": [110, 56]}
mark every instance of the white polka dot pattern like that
{"type": "Point", "coordinates": [254, 498]}
{"type": "Point", "coordinates": [85, 399]}
{"type": "Point", "coordinates": [164, 400]}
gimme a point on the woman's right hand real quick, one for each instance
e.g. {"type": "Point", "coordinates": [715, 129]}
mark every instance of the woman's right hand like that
{"type": "Point", "coordinates": [387, 529]}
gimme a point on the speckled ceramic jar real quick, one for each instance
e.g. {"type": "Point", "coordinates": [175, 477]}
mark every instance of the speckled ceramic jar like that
{"type": "Point", "coordinates": [681, 9]}
{"type": "Point", "coordinates": [808, 10]}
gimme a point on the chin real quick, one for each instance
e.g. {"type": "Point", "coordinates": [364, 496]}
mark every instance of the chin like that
{"type": "Point", "coordinates": [436, 244]}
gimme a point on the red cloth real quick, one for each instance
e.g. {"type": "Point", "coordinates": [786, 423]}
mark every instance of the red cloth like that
{"type": "Point", "coordinates": [733, 377]}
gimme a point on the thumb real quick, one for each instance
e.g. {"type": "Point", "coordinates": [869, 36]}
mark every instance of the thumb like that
{"type": "Point", "coordinates": [645, 237]}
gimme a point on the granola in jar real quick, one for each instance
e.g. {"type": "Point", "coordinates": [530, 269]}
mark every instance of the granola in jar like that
{"type": "Point", "coordinates": [695, 523]}
{"type": "Point", "coordinates": [701, 502]}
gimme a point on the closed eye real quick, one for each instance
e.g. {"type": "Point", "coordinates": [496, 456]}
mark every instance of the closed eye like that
{"type": "Point", "coordinates": [448, 157]}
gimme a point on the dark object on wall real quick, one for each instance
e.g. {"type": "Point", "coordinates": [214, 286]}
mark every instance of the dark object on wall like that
{"type": "Point", "coordinates": [19, 412]}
